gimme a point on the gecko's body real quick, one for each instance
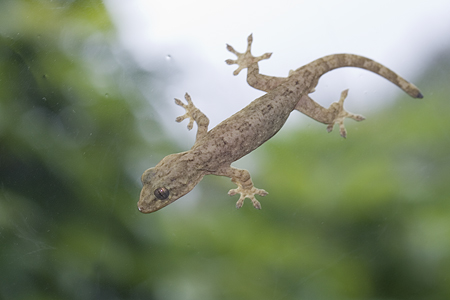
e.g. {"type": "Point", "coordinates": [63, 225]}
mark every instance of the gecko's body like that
{"type": "Point", "coordinates": [243, 132]}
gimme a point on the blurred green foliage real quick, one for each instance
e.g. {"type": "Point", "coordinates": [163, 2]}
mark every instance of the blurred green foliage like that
{"type": "Point", "coordinates": [362, 218]}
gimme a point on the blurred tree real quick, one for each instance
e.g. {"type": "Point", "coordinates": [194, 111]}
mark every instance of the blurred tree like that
{"type": "Point", "coordinates": [69, 146]}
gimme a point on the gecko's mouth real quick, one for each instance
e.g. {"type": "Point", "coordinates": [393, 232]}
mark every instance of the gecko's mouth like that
{"type": "Point", "coordinates": [146, 208]}
{"type": "Point", "coordinates": [143, 210]}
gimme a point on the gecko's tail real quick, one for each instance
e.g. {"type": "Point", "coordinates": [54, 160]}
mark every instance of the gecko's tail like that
{"type": "Point", "coordinates": [331, 62]}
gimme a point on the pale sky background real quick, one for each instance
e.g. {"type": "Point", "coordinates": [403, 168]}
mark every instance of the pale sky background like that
{"type": "Point", "coordinates": [186, 39]}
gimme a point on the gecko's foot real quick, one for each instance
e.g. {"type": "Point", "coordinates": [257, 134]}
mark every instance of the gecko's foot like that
{"type": "Point", "coordinates": [341, 114]}
{"type": "Point", "coordinates": [189, 111]}
{"type": "Point", "coordinates": [246, 59]}
{"type": "Point", "coordinates": [247, 193]}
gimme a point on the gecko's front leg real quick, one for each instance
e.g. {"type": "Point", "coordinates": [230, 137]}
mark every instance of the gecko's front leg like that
{"type": "Point", "coordinates": [245, 186]}
{"type": "Point", "coordinates": [194, 114]}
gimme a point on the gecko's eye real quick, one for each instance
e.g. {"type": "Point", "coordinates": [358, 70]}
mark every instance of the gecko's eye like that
{"type": "Point", "coordinates": [161, 193]}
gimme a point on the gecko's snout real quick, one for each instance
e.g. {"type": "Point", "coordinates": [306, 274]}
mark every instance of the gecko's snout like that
{"type": "Point", "coordinates": [142, 209]}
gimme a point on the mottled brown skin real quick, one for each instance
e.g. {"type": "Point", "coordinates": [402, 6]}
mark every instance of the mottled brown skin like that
{"type": "Point", "coordinates": [246, 130]}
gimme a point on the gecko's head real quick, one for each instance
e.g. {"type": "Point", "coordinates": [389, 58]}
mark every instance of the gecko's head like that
{"type": "Point", "coordinates": [165, 183]}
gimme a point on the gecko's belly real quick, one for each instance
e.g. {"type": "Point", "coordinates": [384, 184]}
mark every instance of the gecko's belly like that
{"type": "Point", "coordinates": [247, 129]}
{"type": "Point", "coordinates": [226, 144]}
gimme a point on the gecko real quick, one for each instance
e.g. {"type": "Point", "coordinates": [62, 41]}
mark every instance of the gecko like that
{"type": "Point", "coordinates": [214, 150]}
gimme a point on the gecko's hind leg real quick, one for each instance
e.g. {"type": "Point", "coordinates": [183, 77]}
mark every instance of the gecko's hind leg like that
{"type": "Point", "coordinates": [246, 59]}
{"type": "Point", "coordinates": [339, 113]}
{"type": "Point", "coordinates": [194, 114]}
{"type": "Point", "coordinates": [330, 116]}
